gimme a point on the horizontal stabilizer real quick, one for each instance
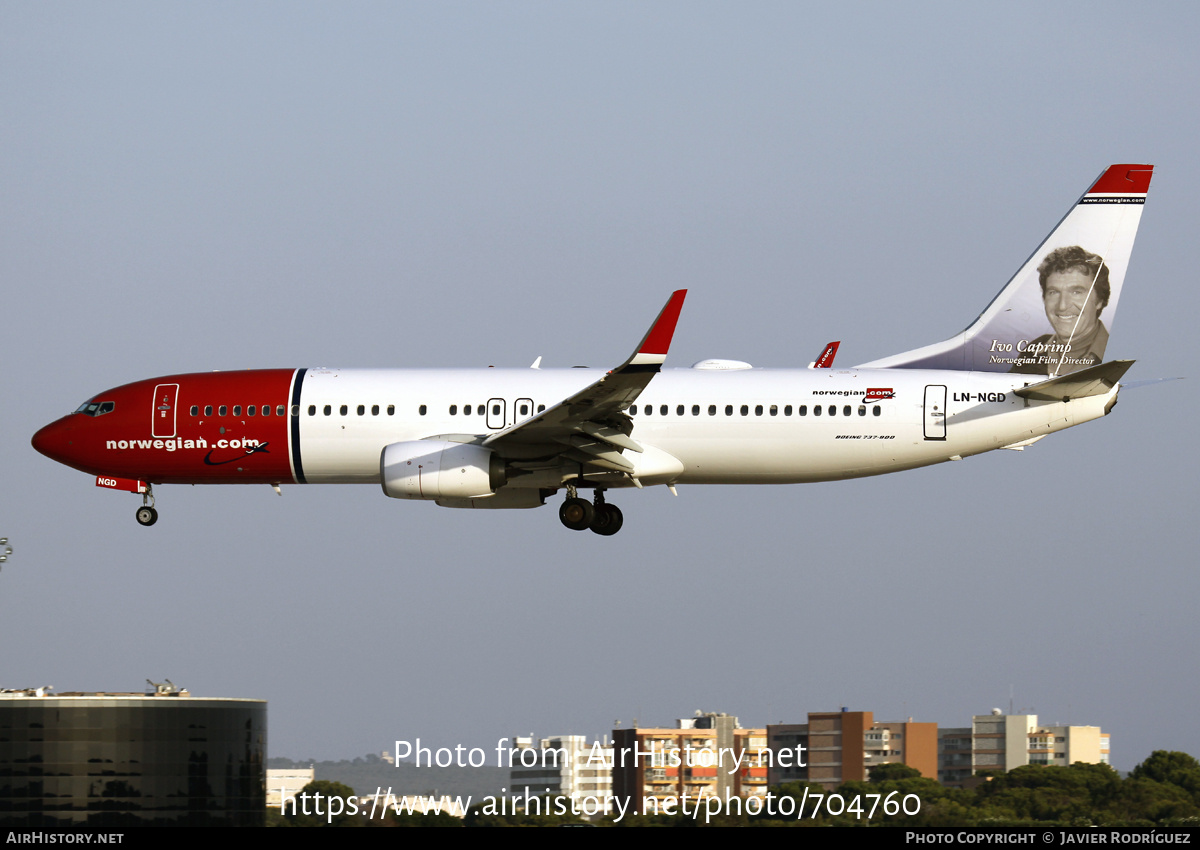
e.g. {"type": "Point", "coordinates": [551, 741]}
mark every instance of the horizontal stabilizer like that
{"type": "Point", "coordinates": [1095, 380]}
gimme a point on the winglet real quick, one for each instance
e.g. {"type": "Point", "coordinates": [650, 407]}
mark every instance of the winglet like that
{"type": "Point", "coordinates": [654, 346]}
{"type": "Point", "coordinates": [825, 361]}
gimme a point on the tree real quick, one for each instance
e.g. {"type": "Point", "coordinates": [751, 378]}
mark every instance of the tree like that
{"type": "Point", "coordinates": [889, 772]}
{"type": "Point", "coordinates": [1173, 768]}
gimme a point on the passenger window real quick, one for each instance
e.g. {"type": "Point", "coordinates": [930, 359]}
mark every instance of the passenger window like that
{"type": "Point", "coordinates": [862, 410]}
{"type": "Point", "coordinates": [524, 410]}
{"type": "Point", "coordinates": [237, 410]}
{"type": "Point", "coordinates": [729, 410]}
{"type": "Point", "coordinates": [328, 410]}
{"type": "Point", "coordinates": [802, 410]}
{"type": "Point", "coordinates": [816, 410]}
{"type": "Point", "coordinates": [421, 410]}
{"type": "Point", "coordinates": [633, 410]}
{"type": "Point", "coordinates": [391, 409]}
{"type": "Point", "coordinates": [695, 410]}
{"type": "Point", "coordinates": [374, 410]}
{"type": "Point", "coordinates": [343, 410]}
{"type": "Point", "coordinates": [312, 410]}
{"type": "Point", "coordinates": [833, 410]}
{"type": "Point", "coordinates": [295, 410]}
{"type": "Point", "coordinates": [195, 410]}
{"type": "Point", "coordinates": [223, 410]}
{"type": "Point", "coordinates": [876, 411]}
{"type": "Point", "coordinates": [679, 410]}
{"type": "Point", "coordinates": [361, 410]}
{"type": "Point", "coordinates": [663, 410]}
{"type": "Point", "coordinates": [541, 407]}
{"type": "Point", "coordinates": [649, 409]}
{"type": "Point", "coordinates": [758, 410]}
{"type": "Point", "coordinates": [774, 410]}
{"type": "Point", "coordinates": [495, 410]}
{"type": "Point", "coordinates": [454, 410]}
{"type": "Point", "coordinates": [250, 411]}
{"type": "Point", "coordinates": [787, 410]}
{"type": "Point", "coordinates": [846, 410]}
{"type": "Point", "coordinates": [745, 410]}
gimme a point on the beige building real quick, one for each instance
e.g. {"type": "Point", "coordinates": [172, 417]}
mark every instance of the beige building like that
{"type": "Point", "coordinates": [285, 783]}
{"type": "Point", "coordinates": [999, 742]}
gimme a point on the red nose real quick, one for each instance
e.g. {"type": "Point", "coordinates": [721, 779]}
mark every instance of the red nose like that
{"type": "Point", "coordinates": [56, 441]}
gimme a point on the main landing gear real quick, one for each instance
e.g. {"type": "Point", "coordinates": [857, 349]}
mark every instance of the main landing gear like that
{"type": "Point", "coordinates": [578, 514]}
{"type": "Point", "coordinates": [146, 515]}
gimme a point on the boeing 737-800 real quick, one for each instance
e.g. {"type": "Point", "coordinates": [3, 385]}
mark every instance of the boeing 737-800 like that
{"type": "Point", "coordinates": [1031, 364]}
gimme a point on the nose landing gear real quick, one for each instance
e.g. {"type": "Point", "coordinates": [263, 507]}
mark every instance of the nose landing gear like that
{"type": "Point", "coordinates": [146, 514]}
{"type": "Point", "coordinates": [578, 514]}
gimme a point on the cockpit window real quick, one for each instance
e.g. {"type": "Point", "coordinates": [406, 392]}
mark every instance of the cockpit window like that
{"type": "Point", "coordinates": [96, 408]}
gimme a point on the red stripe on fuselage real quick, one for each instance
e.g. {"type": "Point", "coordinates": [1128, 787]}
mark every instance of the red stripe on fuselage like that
{"type": "Point", "coordinates": [199, 448]}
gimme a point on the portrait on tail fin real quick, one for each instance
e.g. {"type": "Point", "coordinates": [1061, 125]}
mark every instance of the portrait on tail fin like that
{"type": "Point", "coordinates": [1075, 290]}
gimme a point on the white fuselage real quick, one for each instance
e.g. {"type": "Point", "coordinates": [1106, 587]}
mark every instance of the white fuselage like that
{"type": "Point", "coordinates": [748, 426]}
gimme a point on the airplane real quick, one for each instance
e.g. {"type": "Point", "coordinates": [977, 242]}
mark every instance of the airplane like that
{"type": "Point", "coordinates": [1031, 364]}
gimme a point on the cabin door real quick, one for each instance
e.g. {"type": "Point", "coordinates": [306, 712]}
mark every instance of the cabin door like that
{"type": "Point", "coordinates": [162, 423]}
{"type": "Point", "coordinates": [935, 412]}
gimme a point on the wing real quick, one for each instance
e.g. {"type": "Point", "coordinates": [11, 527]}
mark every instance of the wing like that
{"type": "Point", "coordinates": [591, 426]}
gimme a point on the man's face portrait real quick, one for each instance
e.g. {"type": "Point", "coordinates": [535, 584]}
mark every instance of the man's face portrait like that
{"type": "Point", "coordinates": [1068, 306]}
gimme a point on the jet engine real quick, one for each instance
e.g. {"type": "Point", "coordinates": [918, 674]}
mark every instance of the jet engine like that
{"type": "Point", "coordinates": [439, 469]}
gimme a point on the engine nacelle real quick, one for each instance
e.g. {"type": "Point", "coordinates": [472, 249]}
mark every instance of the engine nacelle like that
{"type": "Point", "coordinates": [438, 469]}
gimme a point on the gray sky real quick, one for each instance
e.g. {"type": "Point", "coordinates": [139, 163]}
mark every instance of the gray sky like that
{"type": "Point", "coordinates": [227, 185]}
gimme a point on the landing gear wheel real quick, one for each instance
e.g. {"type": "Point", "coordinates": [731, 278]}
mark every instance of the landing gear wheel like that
{"type": "Point", "coordinates": [146, 515]}
{"type": "Point", "coordinates": [577, 514]}
{"type": "Point", "coordinates": [608, 519]}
